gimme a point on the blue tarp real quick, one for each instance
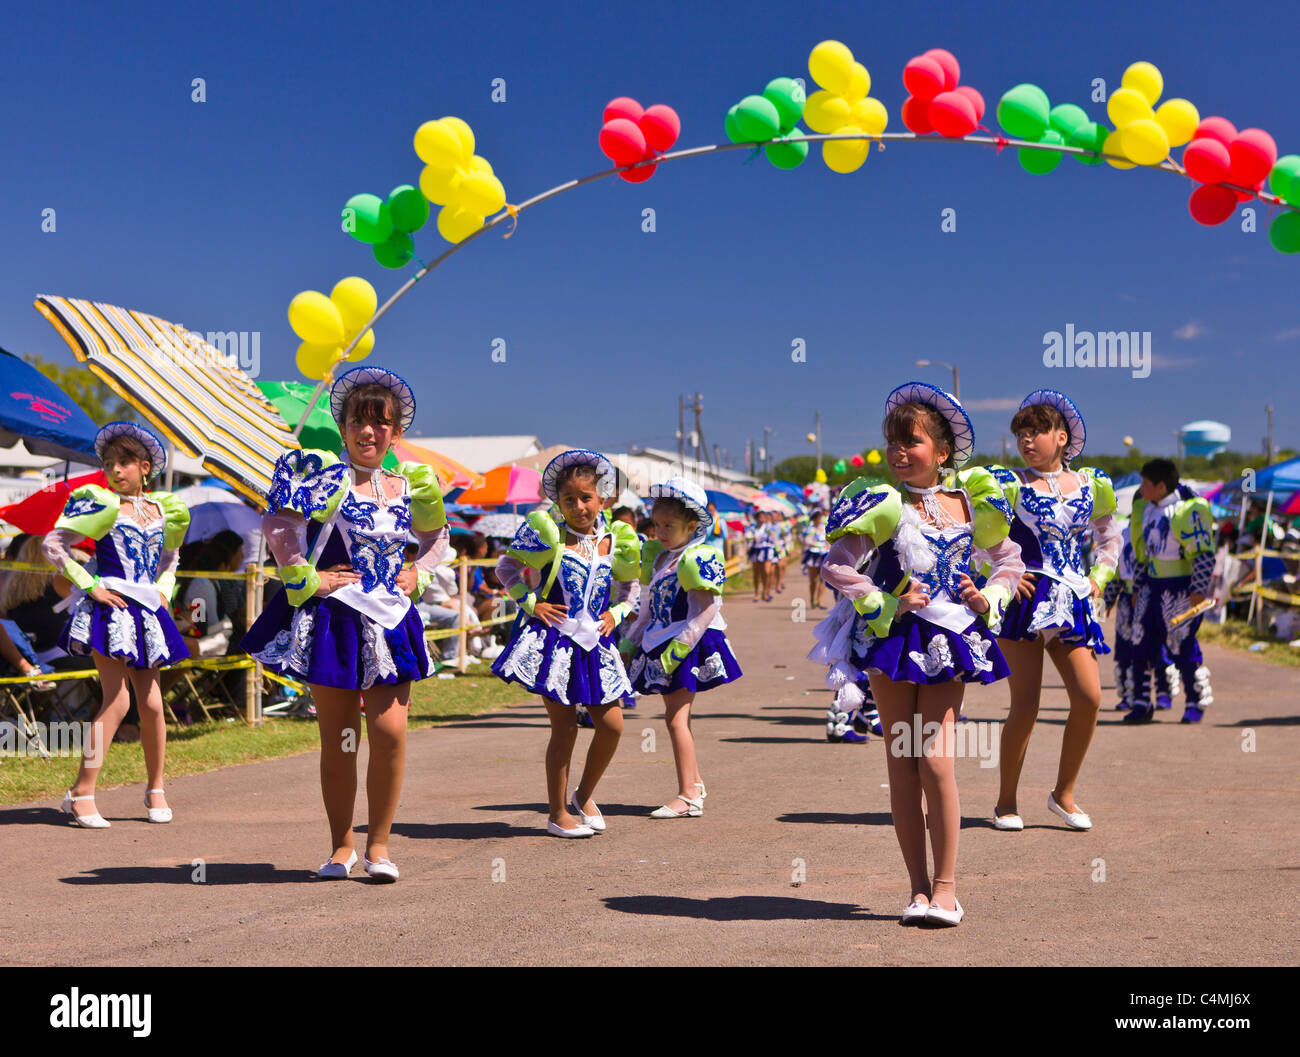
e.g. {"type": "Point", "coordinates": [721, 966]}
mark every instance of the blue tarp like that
{"type": "Point", "coordinates": [1282, 478]}
{"type": "Point", "coordinates": [35, 410]}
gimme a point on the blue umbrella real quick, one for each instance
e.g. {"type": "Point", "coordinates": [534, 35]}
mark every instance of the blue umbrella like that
{"type": "Point", "coordinates": [35, 410]}
{"type": "Point", "coordinates": [789, 487]}
{"type": "Point", "coordinates": [726, 504]}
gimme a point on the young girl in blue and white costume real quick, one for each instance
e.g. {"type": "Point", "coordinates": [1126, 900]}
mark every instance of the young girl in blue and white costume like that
{"type": "Point", "coordinates": [345, 623]}
{"type": "Point", "coordinates": [680, 636]}
{"type": "Point", "coordinates": [121, 613]}
{"type": "Point", "coordinates": [914, 620]}
{"type": "Point", "coordinates": [562, 646]}
{"type": "Point", "coordinates": [1055, 609]}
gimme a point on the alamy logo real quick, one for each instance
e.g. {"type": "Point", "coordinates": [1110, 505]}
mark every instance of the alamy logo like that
{"type": "Point", "coordinates": [76, 1010]}
{"type": "Point", "coordinates": [1105, 348]}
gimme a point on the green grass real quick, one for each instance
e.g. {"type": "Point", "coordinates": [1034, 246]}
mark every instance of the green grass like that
{"type": "Point", "coordinates": [1238, 635]}
{"type": "Point", "coordinates": [208, 746]}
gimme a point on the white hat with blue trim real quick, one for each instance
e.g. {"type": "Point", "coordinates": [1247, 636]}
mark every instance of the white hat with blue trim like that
{"type": "Point", "coordinates": [606, 475]}
{"type": "Point", "coordinates": [946, 404]}
{"type": "Point", "coordinates": [152, 444]}
{"type": "Point", "coordinates": [693, 497]}
{"type": "Point", "coordinates": [1074, 426]}
{"type": "Point", "coordinates": [373, 376]}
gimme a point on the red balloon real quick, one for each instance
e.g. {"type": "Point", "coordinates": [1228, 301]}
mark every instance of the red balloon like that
{"type": "Point", "coordinates": [857, 460]}
{"type": "Point", "coordinates": [1211, 205]}
{"type": "Point", "coordinates": [923, 77]}
{"type": "Point", "coordinates": [952, 115]}
{"type": "Point", "coordinates": [661, 126]}
{"type": "Point", "coordinates": [1206, 160]}
{"type": "Point", "coordinates": [1253, 153]}
{"type": "Point", "coordinates": [1219, 128]}
{"type": "Point", "coordinates": [622, 107]}
{"type": "Point", "coordinates": [977, 100]}
{"type": "Point", "coordinates": [948, 63]}
{"type": "Point", "coordinates": [622, 142]}
{"type": "Point", "coordinates": [916, 115]}
{"type": "Point", "coordinates": [639, 176]}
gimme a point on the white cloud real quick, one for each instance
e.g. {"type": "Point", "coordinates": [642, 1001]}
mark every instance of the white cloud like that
{"type": "Point", "coordinates": [1174, 362]}
{"type": "Point", "coordinates": [1192, 329]}
{"type": "Point", "coordinates": [1287, 335]}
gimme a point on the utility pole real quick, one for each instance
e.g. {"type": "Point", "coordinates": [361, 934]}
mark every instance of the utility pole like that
{"type": "Point", "coordinates": [1269, 450]}
{"type": "Point", "coordinates": [767, 449]}
{"type": "Point", "coordinates": [819, 439]}
{"type": "Point", "coordinates": [681, 435]}
{"type": "Point", "coordinates": [1004, 446]}
{"type": "Point", "coordinates": [700, 445]}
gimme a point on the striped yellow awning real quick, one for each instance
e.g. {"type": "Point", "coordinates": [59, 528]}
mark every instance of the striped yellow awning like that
{"type": "Point", "coordinates": [208, 408]}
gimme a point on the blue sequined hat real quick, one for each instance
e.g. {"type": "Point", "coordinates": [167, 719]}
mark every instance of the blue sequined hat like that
{"type": "Point", "coordinates": [1073, 419]}
{"type": "Point", "coordinates": [373, 376]}
{"type": "Point", "coordinates": [606, 476]}
{"type": "Point", "coordinates": [946, 404]}
{"type": "Point", "coordinates": [152, 444]}
{"type": "Point", "coordinates": [693, 497]}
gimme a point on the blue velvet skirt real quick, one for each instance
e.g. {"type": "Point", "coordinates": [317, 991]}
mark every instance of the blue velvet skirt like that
{"type": "Point", "coordinates": [141, 638]}
{"type": "Point", "coordinates": [711, 663]}
{"type": "Point", "coordinates": [1054, 605]}
{"type": "Point", "coordinates": [916, 651]}
{"type": "Point", "coordinates": [546, 662]}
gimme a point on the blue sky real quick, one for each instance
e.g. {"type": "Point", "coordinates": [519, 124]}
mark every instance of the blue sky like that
{"type": "Point", "coordinates": [215, 214]}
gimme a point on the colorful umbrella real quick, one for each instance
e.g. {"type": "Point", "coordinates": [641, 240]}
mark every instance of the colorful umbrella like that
{"type": "Point", "coordinates": [40, 510]}
{"type": "Point", "coordinates": [182, 385]}
{"type": "Point", "coordinates": [35, 410]}
{"type": "Point", "coordinates": [505, 486]}
{"type": "Point", "coordinates": [503, 526]}
{"type": "Point", "coordinates": [451, 474]}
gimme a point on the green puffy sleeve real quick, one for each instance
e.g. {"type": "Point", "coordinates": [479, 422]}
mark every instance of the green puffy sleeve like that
{"type": "Point", "coordinates": [536, 540]}
{"type": "Point", "coordinates": [89, 511]}
{"type": "Point", "coordinates": [700, 568]}
{"type": "Point", "coordinates": [176, 515]}
{"type": "Point", "coordinates": [1103, 492]}
{"type": "Point", "coordinates": [1008, 482]}
{"type": "Point", "coordinates": [1136, 536]}
{"type": "Point", "coordinates": [309, 482]}
{"type": "Point", "coordinates": [865, 509]}
{"type": "Point", "coordinates": [1193, 525]}
{"type": "Point", "coordinates": [627, 551]}
{"type": "Point", "coordinates": [650, 550]}
{"type": "Point", "coordinates": [427, 514]}
{"type": "Point", "coordinates": [989, 505]}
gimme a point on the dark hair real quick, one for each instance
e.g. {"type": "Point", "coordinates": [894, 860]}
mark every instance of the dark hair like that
{"type": "Point", "coordinates": [645, 525]}
{"type": "Point", "coordinates": [900, 426]}
{"type": "Point", "coordinates": [128, 446]}
{"type": "Point", "coordinates": [373, 403]}
{"type": "Point", "coordinates": [15, 545]}
{"type": "Point", "coordinates": [577, 469]}
{"type": "Point", "coordinates": [622, 511]}
{"type": "Point", "coordinates": [1039, 417]}
{"type": "Point", "coordinates": [1161, 471]}
{"type": "Point", "coordinates": [222, 547]}
{"type": "Point", "coordinates": [676, 508]}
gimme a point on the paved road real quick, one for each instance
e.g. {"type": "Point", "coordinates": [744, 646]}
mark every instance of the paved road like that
{"type": "Point", "coordinates": [1190, 831]}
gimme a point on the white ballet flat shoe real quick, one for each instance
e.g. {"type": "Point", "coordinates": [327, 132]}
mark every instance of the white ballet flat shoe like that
{"type": "Point", "coordinates": [914, 913]}
{"type": "Point", "coordinates": [1007, 821]}
{"type": "Point", "coordinates": [95, 821]}
{"type": "Point", "coordinates": [703, 792]}
{"type": "Point", "coordinates": [694, 809]}
{"type": "Point", "coordinates": [1073, 819]}
{"type": "Point", "coordinates": [596, 822]}
{"type": "Point", "coordinates": [337, 871]}
{"type": "Point", "coordinates": [157, 814]}
{"type": "Point", "coordinates": [944, 918]}
{"type": "Point", "coordinates": [382, 870]}
{"type": "Point", "coordinates": [556, 830]}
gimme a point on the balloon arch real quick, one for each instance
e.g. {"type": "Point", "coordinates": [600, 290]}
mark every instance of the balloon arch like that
{"type": "Point", "coordinates": [1228, 166]}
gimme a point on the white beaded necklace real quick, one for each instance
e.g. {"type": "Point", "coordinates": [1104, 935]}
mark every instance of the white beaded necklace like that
{"type": "Point", "coordinates": [587, 545]}
{"type": "Point", "coordinates": [934, 513]}
{"type": "Point", "coordinates": [1050, 477]}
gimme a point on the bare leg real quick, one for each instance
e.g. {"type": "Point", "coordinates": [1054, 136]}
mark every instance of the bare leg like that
{"type": "Point", "coordinates": [153, 728]}
{"type": "Point", "coordinates": [939, 706]}
{"type": "Point", "coordinates": [1025, 659]}
{"type": "Point", "coordinates": [338, 715]}
{"type": "Point", "coordinates": [386, 714]}
{"type": "Point", "coordinates": [114, 676]}
{"type": "Point", "coordinates": [608, 720]}
{"type": "Point", "coordinates": [677, 717]}
{"type": "Point", "coordinates": [1078, 668]}
{"type": "Point", "coordinates": [559, 750]}
{"type": "Point", "coordinates": [896, 703]}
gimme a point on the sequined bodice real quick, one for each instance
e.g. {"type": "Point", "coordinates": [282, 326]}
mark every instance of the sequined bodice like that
{"type": "Point", "coordinates": [376, 538]}
{"type": "Point", "coordinates": [951, 548]}
{"type": "Point", "coordinates": [1058, 523]}
{"type": "Point", "coordinates": [135, 549]}
{"type": "Point", "coordinates": [586, 584]}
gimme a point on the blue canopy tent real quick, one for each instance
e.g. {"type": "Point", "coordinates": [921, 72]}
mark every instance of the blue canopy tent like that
{"type": "Point", "coordinates": [788, 487]}
{"type": "Point", "coordinates": [725, 504]}
{"type": "Point", "coordinates": [35, 410]}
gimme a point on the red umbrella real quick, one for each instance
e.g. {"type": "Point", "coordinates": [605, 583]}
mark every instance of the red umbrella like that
{"type": "Point", "coordinates": [40, 510]}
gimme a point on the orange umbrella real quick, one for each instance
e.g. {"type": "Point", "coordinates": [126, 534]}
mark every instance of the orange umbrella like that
{"type": "Point", "coordinates": [505, 485]}
{"type": "Point", "coordinates": [451, 474]}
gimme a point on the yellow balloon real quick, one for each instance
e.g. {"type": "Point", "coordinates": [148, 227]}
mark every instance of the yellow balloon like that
{"type": "Point", "coordinates": [825, 112]}
{"type": "Point", "coordinates": [356, 301]}
{"type": "Point", "coordinates": [1145, 142]}
{"type": "Point", "coordinates": [466, 136]}
{"type": "Point", "coordinates": [315, 319]}
{"type": "Point", "coordinates": [831, 66]}
{"type": "Point", "coordinates": [845, 155]}
{"type": "Point", "coordinates": [1127, 105]}
{"type": "Point", "coordinates": [440, 186]}
{"type": "Point", "coordinates": [481, 194]}
{"type": "Point", "coordinates": [456, 224]}
{"type": "Point", "coordinates": [860, 84]}
{"type": "Point", "coordinates": [364, 346]}
{"type": "Point", "coordinates": [820, 476]}
{"type": "Point", "coordinates": [1114, 145]}
{"type": "Point", "coordinates": [812, 438]}
{"type": "Point", "coordinates": [869, 115]}
{"type": "Point", "coordinates": [873, 457]}
{"type": "Point", "coordinates": [1146, 79]}
{"type": "Point", "coordinates": [314, 360]}
{"type": "Point", "coordinates": [438, 143]}
{"type": "Point", "coordinates": [480, 164]}
{"type": "Point", "coordinates": [1179, 119]}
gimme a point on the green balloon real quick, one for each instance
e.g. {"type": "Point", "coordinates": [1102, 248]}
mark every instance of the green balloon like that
{"type": "Point", "coordinates": [839, 466]}
{"type": "Point", "coordinates": [1089, 136]}
{"type": "Point", "coordinates": [789, 153]}
{"type": "Point", "coordinates": [395, 251]}
{"type": "Point", "coordinates": [757, 119]}
{"type": "Point", "coordinates": [366, 218]}
{"type": "Point", "coordinates": [1284, 232]}
{"type": "Point", "coordinates": [1024, 112]}
{"type": "Point", "coordinates": [787, 95]}
{"type": "Point", "coordinates": [1067, 117]}
{"type": "Point", "coordinates": [1042, 161]}
{"type": "Point", "coordinates": [1281, 181]}
{"type": "Point", "coordinates": [408, 208]}
{"type": "Point", "coordinates": [729, 124]}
